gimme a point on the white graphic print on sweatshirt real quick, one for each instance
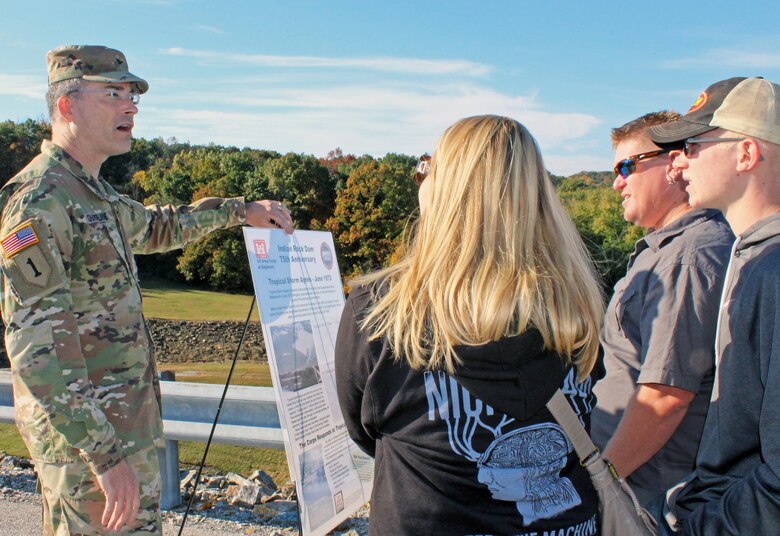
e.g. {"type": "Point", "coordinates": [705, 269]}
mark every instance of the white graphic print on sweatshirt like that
{"type": "Point", "coordinates": [520, 465]}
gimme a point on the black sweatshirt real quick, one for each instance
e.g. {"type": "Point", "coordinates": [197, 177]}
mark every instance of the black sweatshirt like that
{"type": "Point", "coordinates": [474, 454]}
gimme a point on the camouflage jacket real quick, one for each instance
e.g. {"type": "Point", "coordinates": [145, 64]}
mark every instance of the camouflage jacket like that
{"type": "Point", "coordinates": [83, 370]}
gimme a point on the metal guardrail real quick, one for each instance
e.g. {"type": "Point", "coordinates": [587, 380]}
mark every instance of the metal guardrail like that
{"type": "Point", "coordinates": [248, 417]}
{"type": "Point", "coordinates": [6, 397]}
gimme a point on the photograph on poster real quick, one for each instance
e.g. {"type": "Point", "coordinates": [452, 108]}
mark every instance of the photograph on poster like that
{"type": "Point", "coordinates": [338, 501]}
{"type": "Point", "coordinates": [315, 489]}
{"type": "Point", "coordinates": [296, 355]}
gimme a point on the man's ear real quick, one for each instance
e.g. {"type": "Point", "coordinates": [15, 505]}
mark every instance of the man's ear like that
{"type": "Point", "coordinates": [673, 174]}
{"type": "Point", "coordinates": [65, 107]}
{"type": "Point", "coordinates": [749, 154]}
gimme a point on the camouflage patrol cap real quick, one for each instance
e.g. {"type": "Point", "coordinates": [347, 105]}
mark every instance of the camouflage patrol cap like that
{"type": "Point", "coordinates": [93, 63]}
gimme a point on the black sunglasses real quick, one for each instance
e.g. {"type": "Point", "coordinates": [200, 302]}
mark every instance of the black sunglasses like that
{"type": "Point", "coordinates": [422, 169]}
{"type": "Point", "coordinates": [626, 167]}
{"type": "Point", "coordinates": [691, 143]}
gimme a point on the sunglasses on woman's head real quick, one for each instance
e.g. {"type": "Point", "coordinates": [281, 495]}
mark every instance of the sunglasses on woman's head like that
{"type": "Point", "coordinates": [422, 169]}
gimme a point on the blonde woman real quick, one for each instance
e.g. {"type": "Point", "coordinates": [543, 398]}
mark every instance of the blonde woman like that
{"type": "Point", "coordinates": [445, 360]}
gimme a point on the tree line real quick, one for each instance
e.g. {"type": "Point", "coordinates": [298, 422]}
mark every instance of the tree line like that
{"type": "Point", "coordinates": [367, 203]}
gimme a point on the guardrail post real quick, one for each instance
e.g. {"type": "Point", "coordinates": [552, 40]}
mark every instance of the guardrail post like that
{"type": "Point", "coordinates": [169, 463]}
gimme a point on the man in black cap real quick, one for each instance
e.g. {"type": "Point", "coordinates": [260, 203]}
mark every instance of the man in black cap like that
{"type": "Point", "coordinates": [85, 389]}
{"type": "Point", "coordinates": [659, 326]}
{"type": "Point", "coordinates": [731, 161]}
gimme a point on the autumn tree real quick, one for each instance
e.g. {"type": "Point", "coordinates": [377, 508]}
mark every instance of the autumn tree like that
{"type": "Point", "coordinates": [120, 170]}
{"type": "Point", "coordinates": [20, 143]}
{"type": "Point", "coordinates": [304, 185]}
{"type": "Point", "coordinates": [372, 211]}
{"type": "Point", "coordinates": [218, 260]}
{"type": "Point", "coordinates": [340, 165]}
{"type": "Point", "coordinates": [597, 213]}
{"type": "Point", "coordinates": [366, 202]}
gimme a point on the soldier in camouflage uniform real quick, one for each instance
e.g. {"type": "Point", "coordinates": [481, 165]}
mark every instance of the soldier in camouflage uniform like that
{"type": "Point", "coordinates": [86, 393]}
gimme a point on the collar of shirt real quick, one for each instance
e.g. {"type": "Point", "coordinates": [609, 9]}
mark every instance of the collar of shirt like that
{"type": "Point", "coordinates": [658, 239]}
{"type": "Point", "coordinates": [761, 230]}
{"type": "Point", "coordinates": [97, 186]}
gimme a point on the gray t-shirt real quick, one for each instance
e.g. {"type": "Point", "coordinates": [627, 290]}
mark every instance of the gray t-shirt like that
{"type": "Point", "coordinates": [660, 328]}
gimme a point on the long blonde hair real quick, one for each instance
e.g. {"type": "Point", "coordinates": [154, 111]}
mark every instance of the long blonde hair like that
{"type": "Point", "coordinates": [493, 255]}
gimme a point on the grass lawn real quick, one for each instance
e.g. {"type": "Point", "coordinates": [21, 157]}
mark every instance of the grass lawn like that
{"type": "Point", "coordinates": [245, 373]}
{"type": "Point", "coordinates": [231, 458]}
{"type": "Point", "coordinates": [176, 302]}
{"type": "Point", "coordinates": [11, 441]}
{"type": "Point", "coordinates": [221, 458]}
{"type": "Point", "coordinates": [163, 299]}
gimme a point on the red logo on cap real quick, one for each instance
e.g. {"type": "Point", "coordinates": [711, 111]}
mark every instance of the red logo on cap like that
{"type": "Point", "coordinates": [698, 103]}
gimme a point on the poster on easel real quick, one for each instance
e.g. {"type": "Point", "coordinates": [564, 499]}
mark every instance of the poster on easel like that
{"type": "Point", "coordinates": [300, 298]}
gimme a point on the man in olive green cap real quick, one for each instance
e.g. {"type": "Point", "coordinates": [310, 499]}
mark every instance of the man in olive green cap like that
{"type": "Point", "coordinates": [92, 63]}
{"type": "Point", "coordinates": [86, 393]}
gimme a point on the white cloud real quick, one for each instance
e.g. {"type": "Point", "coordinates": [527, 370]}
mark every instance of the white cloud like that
{"type": "Point", "coordinates": [22, 85]}
{"type": "Point", "coordinates": [566, 165]}
{"type": "Point", "coordinates": [360, 119]}
{"type": "Point", "coordinates": [728, 57]}
{"type": "Point", "coordinates": [379, 63]}
{"type": "Point", "coordinates": [206, 28]}
{"type": "Point", "coordinates": [365, 105]}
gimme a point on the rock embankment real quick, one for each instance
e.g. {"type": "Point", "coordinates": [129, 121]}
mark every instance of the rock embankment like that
{"type": "Point", "coordinates": [179, 341]}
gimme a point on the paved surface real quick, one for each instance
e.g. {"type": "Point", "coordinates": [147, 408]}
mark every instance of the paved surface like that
{"type": "Point", "coordinates": [20, 515]}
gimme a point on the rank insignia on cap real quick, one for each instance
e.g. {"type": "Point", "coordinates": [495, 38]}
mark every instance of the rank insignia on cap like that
{"type": "Point", "coordinates": [20, 238]}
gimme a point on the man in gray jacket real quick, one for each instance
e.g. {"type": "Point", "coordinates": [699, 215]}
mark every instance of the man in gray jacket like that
{"type": "Point", "coordinates": [731, 162]}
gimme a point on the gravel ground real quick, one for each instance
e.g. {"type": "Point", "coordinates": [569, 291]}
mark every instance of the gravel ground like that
{"type": "Point", "coordinates": [20, 515]}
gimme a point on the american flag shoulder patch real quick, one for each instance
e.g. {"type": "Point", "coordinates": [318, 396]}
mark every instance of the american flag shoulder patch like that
{"type": "Point", "coordinates": [20, 238]}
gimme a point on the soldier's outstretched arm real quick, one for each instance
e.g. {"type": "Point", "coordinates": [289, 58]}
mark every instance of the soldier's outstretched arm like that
{"type": "Point", "coordinates": [157, 228]}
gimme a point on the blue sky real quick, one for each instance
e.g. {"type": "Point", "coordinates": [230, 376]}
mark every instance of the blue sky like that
{"type": "Point", "coordinates": [378, 77]}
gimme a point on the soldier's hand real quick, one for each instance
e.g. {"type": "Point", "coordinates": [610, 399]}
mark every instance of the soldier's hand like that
{"type": "Point", "coordinates": [122, 491]}
{"type": "Point", "coordinates": [268, 213]}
